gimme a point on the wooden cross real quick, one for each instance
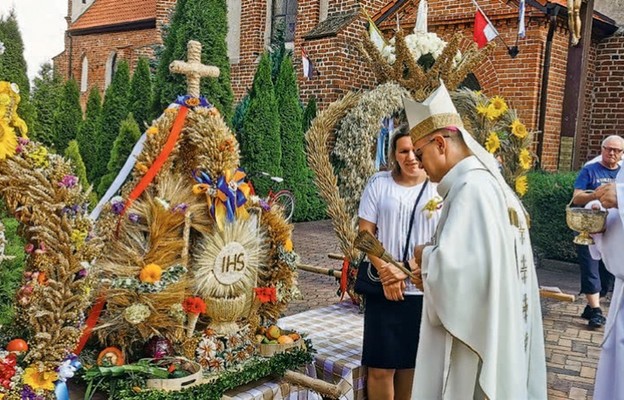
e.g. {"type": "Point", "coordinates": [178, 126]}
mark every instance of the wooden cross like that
{"type": "Point", "coordinates": [193, 69]}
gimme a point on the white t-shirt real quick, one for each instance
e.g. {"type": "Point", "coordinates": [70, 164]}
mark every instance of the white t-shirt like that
{"type": "Point", "coordinates": [389, 206]}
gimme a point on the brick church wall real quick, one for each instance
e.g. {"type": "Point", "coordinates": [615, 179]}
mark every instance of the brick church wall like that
{"type": "Point", "coordinates": [607, 97]}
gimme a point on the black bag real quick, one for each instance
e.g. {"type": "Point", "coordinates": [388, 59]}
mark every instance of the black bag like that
{"type": "Point", "coordinates": [367, 281]}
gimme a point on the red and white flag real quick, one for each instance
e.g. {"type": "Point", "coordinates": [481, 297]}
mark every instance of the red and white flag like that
{"type": "Point", "coordinates": [308, 67]}
{"type": "Point", "coordinates": [484, 31]}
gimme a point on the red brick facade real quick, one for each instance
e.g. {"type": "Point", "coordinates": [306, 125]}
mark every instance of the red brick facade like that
{"type": "Point", "coordinates": [339, 67]}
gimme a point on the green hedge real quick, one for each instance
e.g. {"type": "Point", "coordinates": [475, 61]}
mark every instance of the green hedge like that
{"type": "Point", "coordinates": [548, 195]}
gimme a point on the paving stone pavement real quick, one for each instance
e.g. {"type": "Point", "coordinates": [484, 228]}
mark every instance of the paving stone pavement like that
{"type": "Point", "coordinates": [572, 349]}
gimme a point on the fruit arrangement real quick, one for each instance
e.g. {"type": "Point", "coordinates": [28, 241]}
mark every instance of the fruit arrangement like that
{"type": "Point", "coordinates": [273, 339]}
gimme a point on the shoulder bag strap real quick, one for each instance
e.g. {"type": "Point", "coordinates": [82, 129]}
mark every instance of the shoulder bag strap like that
{"type": "Point", "coordinates": [411, 223]}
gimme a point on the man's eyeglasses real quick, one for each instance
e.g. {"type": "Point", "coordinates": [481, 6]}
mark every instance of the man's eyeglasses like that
{"type": "Point", "coordinates": [608, 150]}
{"type": "Point", "coordinates": [418, 152]}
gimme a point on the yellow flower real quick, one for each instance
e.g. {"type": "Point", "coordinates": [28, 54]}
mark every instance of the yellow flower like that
{"type": "Point", "coordinates": [288, 245]}
{"type": "Point", "coordinates": [492, 144]}
{"type": "Point", "coordinates": [39, 380]}
{"type": "Point", "coordinates": [152, 130]}
{"type": "Point", "coordinates": [141, 167]}
{"type": "Point", "coordinates": [78, 237]}
{"type": "Point", "coordinates": [151, 273]}
{"type": "Point", "coordinates": [525, 159]}
{"type": "Point", "coordinates": [4, 99]}
{"type": "Point", "coordinates": [518, 129]}
{"type": "Point", "coordinates": [482, 109]}
{"type": "Point", "coordinates": [40, 157]}
{"type": "Point", "coordinates": [522, 185]}
{"type": "Point", "coordinates": [498, 106]}
{"type": "Point", "coordinates": [8, 140]}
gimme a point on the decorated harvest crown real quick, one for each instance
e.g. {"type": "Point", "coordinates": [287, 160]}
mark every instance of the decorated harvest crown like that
{"type": "Point", "coordinates": [420, 81]}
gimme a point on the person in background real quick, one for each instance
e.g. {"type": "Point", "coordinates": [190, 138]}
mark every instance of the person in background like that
{"type": "Point", "coordinates": [481, 333]}
{"type": "Point", "coordinates": [596, 281]}
{"type": "Point", "coordinates": [391, 321]}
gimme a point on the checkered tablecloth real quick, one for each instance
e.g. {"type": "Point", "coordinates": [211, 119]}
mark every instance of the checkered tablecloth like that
{"type": "Point", "coordinates": [336, 334]}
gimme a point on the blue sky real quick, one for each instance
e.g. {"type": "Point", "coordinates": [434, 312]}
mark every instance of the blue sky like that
{"type": "Point", "coordinates": [42, 24]}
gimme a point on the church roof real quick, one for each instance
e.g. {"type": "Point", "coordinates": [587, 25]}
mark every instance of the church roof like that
{"type": "Point", "coordinates": [105, 13]}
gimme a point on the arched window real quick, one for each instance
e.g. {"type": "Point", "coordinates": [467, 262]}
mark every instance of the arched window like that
{"type": "Point", "coordinates": [111, 67]}
{"type": "Point", "coordinates": [84, 75]}
{"type": "Point", "coordinates": [284, 18]}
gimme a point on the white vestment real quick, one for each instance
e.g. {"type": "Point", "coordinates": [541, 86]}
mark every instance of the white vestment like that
{"type": "Point", "coordinates": [481, 334]}
{"type": "Point", "coordinates": [609, 383]}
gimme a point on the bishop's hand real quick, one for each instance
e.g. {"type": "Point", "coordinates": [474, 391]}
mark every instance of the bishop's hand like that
{"type": "Point", "coordinates": [415, 267]}
{"type": "Point", "coordinates": [607, 195]}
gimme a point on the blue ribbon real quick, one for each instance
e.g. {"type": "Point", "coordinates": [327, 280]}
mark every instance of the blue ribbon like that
{"type": "Point", "coordinates": [60, 389]}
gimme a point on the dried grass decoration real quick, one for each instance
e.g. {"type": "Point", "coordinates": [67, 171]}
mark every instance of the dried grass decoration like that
{"type": "Point", "coordinates": [225, 271]}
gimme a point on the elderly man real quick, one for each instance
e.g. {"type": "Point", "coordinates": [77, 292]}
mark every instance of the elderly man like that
{"type": "Point", "coordinates": [609, 384]}
{"type": "Point", "coordinates": [481, 334]}
{"type": "Point", "coordinates": [595, 279]}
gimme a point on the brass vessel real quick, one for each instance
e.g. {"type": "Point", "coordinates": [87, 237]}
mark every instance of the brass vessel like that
{"type": "Point", "coordinates": [585, 221]}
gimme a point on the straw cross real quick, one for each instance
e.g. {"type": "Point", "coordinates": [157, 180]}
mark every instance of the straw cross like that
{"type": "Point", "coordinates": [193, 69]}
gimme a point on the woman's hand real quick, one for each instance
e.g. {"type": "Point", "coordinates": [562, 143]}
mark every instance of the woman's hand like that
{"type": "Point", "coordinates": [394, 291]}
{"type": "Point", "coordinates": [389, 274]}
{"type": "Point", "coordinates": [417, 280]}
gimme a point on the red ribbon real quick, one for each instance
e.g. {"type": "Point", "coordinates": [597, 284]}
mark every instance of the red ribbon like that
{"type": "Point", "coordinates": [149, 176]}
{"type": "Point", "coordinates": [343, 277]}
{"type": "Point", "coordinates": [94, 315]}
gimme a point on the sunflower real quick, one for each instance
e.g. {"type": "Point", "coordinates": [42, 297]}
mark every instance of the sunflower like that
{"type": "Point", "coordinates": [151, 273]}
{"type": "Point", "coordinates": [518, 129]}
{"type": "Point", "coordinates": [497, 106]}
{"type": "Point", "coordinates": [38, 380]}
{"type": "Point", "coordinates": [522, 185]}
{"type": "Point", "coordinates": [492, 144]}
{"type": "Point", "coordinates": [8, 140]}
{"type": "Point", "coordinates": [482, 109]}
{"type": "Point", "coordinates": [525, 159]}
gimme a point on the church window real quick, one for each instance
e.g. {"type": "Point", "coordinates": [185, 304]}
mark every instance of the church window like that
{"type": "Point", "coordinates": [111, 67]}
{"type": "Point", "coordinates": [84, 75]}
{"type": "Point", "coordinates": [284, 18]}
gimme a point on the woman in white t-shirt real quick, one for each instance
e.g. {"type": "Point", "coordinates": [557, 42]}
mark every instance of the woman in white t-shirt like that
{"type": "Point", "coordinates": [392, 321]}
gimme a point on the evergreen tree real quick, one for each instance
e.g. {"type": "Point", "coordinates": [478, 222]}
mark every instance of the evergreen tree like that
{"type": "Point", "coordinates": [72, 152]}
{"type": "Point", "coordinates": [67, 116]}
{"type": "Point", "coordinates": [206, 22]}
{"type": "Point", "coordinates": [309, 114]}
{"type": "Point", "coordinates": [260, 145]}
{"type": "Point", "coordinates": [89, 133]}
{"type": "Point", "coordinates": [46, 95]}
{"type": "Point", "coordinates": [239, 117]}
{"type": "Point", "coordinates": [129, 134]}
{"type": "Point", "coordinates": [114, 110]}
{"type": "Point", "coordinates": [293, 163]}
{"type": "Point", "coordinates": [13, 66]}
{"type": "Point", "coordinates": [141, 93]}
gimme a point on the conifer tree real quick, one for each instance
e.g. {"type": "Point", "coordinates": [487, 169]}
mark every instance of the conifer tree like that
{"type": "Point", "coordinates": [67, 116]}
{"type": "Point", "coordinates": [239, 116]}
{"type": "Point", "coordinates": [206, 22]}
{"type": "Point", "coordinates": [309, 113]}
{"type": "Point", "coordinates": [260, 144]}
{"type": "Point", "coordinates": [72, 152]}
{"type": "Point", "coordinates": [294, 166]}
{"type": "Point", "coordinates": [114, 110]}
{"type": "Point", "coordinates": [129, 134]}
{"type": "Point", "coordinates": [46, 95]}
{"type": "Point", "coordinates": [141, 93]}
{"type": "Point", "coordinates": [89, 133]}
{"type": "Point", "coordinates": [13, 66]}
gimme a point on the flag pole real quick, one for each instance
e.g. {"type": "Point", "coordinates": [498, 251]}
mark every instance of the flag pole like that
{"type": "Point", "coordinates": [512, 51]}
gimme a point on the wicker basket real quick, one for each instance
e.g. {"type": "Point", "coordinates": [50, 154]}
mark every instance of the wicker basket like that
{"type": "Point", "coordinates": [585, 221]}
{"type": "Point", "coordinates": [269, 350]}
{"type": "Point", "coordinates": [174, 384]}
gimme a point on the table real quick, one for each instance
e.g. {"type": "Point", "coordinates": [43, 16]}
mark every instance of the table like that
{"type": "Point", "coordinates": [336, 333]}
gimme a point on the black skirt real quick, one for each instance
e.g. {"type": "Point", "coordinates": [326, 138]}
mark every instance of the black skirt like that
{"type": "Point", "coordinates": [391, 332]}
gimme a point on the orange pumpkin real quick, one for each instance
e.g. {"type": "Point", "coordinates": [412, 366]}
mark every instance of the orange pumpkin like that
{"type": "Point", "coordinates": [17, 345]}
{"type": "Point", "coordinates": [110, 356]}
